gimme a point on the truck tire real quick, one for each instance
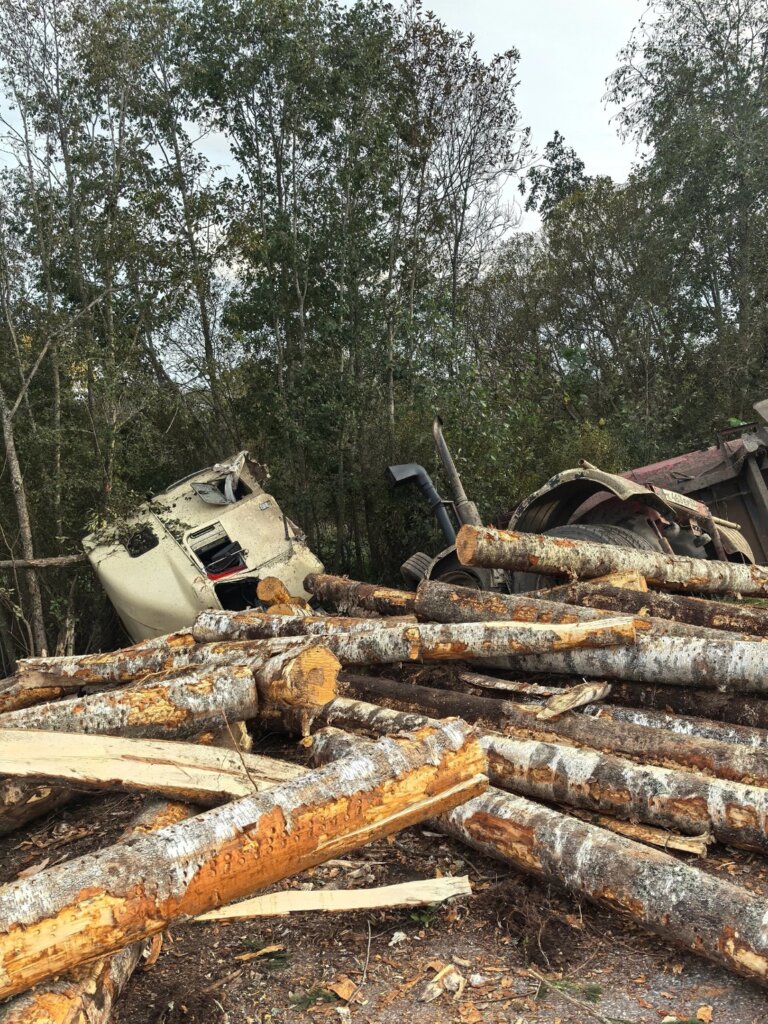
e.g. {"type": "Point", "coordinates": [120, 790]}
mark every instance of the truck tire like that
{"type": "Point", "coordinates": [598, 533]}
{"type": "Point", "coordinates": [414, 569]}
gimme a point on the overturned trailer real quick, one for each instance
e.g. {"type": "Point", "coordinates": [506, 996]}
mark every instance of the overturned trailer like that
{"type": "Point", "coordinates": [204, 542]}
{"type": "Point", "coordinates": [710, 504]}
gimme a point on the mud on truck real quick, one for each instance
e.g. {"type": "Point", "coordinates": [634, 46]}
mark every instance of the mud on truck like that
{"type": "Point", "coordinates": [711, 503]}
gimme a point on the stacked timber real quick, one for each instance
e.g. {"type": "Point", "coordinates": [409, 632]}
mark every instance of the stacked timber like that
{"type": "Point", "coordinates": [592, 768]}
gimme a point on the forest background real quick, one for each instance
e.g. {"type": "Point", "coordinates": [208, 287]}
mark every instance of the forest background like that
{"type": "Point", "coordinates": [356, 268]}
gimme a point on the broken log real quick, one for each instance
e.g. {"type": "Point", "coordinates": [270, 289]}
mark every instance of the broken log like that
{"type": "Point", "coordinates": [697, 845]}
{"type": "Point", "coordinates": [190, 772]}
{"type": "Point", "coordinates": [54, 562]}
{"type": "Point", "coordinates": [749, 620]}
{"type": "Point", "coordinates": [21, 802]}
{"type": "Point", "coordinates": [98, 903]}
{"type": "Point", "coordinates": [734, 667]}
{"type": "Point", "coordinates": [748, 711]}
{"type": "Point", "coordinates": [602, 783]}
{"type": "Point", "coordinates": [512, 686]}
{"type": "Point", "coordinates": [697, 911]}
{"type": "Point", "coordinates": [347, 594]}
{"type": "Point", "coordinates": [574, 697]}
{"type": "Point", "coordinates": [32, 688]}
{"type": "Point", "coordinates": [559, 556]}
{"type": "Point", "coordinates": [271, 591]}
{"type": "Point", "coordinates": [653, 746]}
{"type": "Point", "coordinates": [422, 892]}
{"type": "Point", "coordinates": [441, 602]}
{"type": "Point", "coordinates": [703, 727]}
{"type": "Point", "coordinates": [86, 994]}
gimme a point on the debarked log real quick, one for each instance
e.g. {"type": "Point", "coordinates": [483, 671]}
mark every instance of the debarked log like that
{"type": "Point", "coordinates": [735, 667]}
{"type": "Point", "coordinates": [686, 802]}
{"type": "Point", "coordinates": [347, 595]}
{"type": "Point", "coordinates": [86, 994]}
{"type": "Point", "coordinates": [698, 912]}
{"type": "Point", "coordinates": [688, 908]}
{"type": "Point", "coordinates": [96, 904]}
{"type": "Point", "coordinates": [748, 711]}
{"type": "Point", "coordinates": [707, 613]}
{"type": "Point", "coordinates": [205, 775]}
{"type": "Point", "coordinates": [654, 746]}
{"type": "Point", "coordinates": [559, 556]}
{"type": "Point", "coordinates": [442, 602]}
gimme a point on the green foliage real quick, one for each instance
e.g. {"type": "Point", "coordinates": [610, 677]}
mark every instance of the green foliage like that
{"type": "Point", "coordinates": [352, 269]}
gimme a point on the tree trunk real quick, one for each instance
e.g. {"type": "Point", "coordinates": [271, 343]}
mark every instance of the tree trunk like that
{"type": "Point", "coordinates": [749, 620]}
{"type": "Point", "coordinates": [682, 801]}
{"type": "Point", "coordinates": [736, 667]}
{"type": "Point", "coordinates": [558, 556]}
{"type": "Point", "coordinates": [703, 727]}
{"type": "Point", "coordinates": [192, 772]}
{"type": "Point", "coordinates": [440, 602]}
{"type": "Point", "coordinates": [214, 626]}
{"type": "Point", "coordinates": [696, 911]}
{"type": "Point", "coordinates": [653, 746]}
{"type": "Point", "coordinates": [699, 912]}
{"type": "Point", "coordinates": [749, 711]}
{"type": "Point", "coordinates": [380, 645]}
{"type": "Point", "coordinates": [86, 994]}
{"type": "Point", "coordinates": [706, 612]}
{"type": "Point", "coordinates": [349, 594]}
{"type": "Point", "coordinates": [98, 903]}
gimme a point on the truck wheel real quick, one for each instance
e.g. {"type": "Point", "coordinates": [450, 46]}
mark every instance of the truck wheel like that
{"type": "Point", "coordinates": [414, 569]}
{"type": "Point", "coordinates": [598, 533]}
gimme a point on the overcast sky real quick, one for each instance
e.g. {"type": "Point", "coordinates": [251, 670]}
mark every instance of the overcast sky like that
{"type": "Point", "coordinates": [567, 50]}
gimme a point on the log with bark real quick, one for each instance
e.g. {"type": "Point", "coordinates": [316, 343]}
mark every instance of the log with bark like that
{"type": "Point", "coordinates": [174, 705]}
{"type": "Point", "coordinates": [347, 595]}
{"type": "Point", "coordinates": [734, 667]}
{"type": "Point", "coordinates": [205, 775]}
{"type": "Point", "coordinates": [86, 994]}
{"type": "Point", "coordinates": [707, 613]}
{"type": "Point", "coordinates": [725, 707]}
{"type": "Point", "coordinates": [383, 644]}
{"type": "Point", "coordinates": [96, 904]}
{"type": "Point", "coordinates": [687, 726]}
{"type": "Point", "coordinates": [649, 834]}
{"type": "Point", "coordinates": [685, 802]}
{"type": "Point", "coordinates": [652, 746]}
{"type": "Point", "coordinates": [690, 909]}
{"type": "Point", "coordinates": [559, 556]}
{"type": "Point", "coordinates": [442, 602]}
{"type": "Point", "coordinates": [214, 625]}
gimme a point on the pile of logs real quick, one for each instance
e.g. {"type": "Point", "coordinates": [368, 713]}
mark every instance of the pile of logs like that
{"type": "Point", "coordinates": [551, 731]}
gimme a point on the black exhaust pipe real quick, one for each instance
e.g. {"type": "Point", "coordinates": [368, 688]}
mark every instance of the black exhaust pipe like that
{"type": "Point", "coordinates": [412, 473]}
{"type": "Point", "coordinates": [466, 510]}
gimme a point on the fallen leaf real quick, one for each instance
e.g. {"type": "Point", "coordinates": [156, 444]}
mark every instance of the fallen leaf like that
{"type": "Point", "coordinates": [469, 1014]}
{"type": "Point", "coordinates": [704, 1014]}
{"type": "Point", "coordinates": [345, 989]}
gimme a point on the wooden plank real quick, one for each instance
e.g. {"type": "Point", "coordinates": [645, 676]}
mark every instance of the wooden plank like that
{"type": "Point", "coordinates": [291, 901]}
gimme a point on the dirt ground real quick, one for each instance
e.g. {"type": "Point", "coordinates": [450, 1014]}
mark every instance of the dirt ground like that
{"type": "Point", "coordinates": [522, 951]}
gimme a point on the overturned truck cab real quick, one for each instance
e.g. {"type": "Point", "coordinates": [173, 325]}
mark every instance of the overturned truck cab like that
{"type": "Point", "coordinates": [204, 542]}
